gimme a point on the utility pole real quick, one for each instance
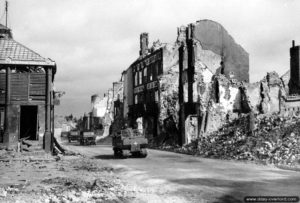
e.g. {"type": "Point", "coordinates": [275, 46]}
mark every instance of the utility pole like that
{"type": "Point", "coordinates": [6, 11]}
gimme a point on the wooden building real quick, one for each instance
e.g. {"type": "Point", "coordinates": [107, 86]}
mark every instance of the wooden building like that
{"type": "Point", "coordinates": [26, 93]}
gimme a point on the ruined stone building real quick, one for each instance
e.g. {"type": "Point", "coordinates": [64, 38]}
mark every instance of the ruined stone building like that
{"type": "Point", "coordinates": [169, 85]}
{"type": "Point", "coordinates": [189, 89]}
{"type": "Point", "coordinates": [142, 85]}
{"type": "Point", "coordinates": [145, 71]}
{"type": "Point", "coordinates": [26, 94]}
{"type": "Point", "coordinates": [206, 50]}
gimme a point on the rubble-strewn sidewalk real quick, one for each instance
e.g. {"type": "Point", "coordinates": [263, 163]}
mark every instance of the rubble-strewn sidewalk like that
{"type": "Point", "coordinates": [276, 140]}
{"type": "Point", "coordinates": [28, 177]}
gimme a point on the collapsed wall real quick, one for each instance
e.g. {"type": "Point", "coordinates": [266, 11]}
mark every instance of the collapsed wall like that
{"type": "Point", "coordinates": [212, 64]}
{"type": "Point", "coordinates": [168, 88]}
{"type": "Point", "coordinates": [168, 85]}
{"type": "Point", "coordinates": [267, 96]}
{"type": "Point", "coordinates": [225, 102]}
{"type": "Point", "coordinates": [214, 38]}
{"type": "Point", "coordinates": [230, 98]}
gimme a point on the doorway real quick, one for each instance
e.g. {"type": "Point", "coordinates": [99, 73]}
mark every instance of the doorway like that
{"type": "Point", "coordinates": [28, 122]}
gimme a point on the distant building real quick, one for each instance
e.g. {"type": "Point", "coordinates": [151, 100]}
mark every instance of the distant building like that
{"type": "Point", "coordinates": [127, 91]}
{"type": "Point", "coordinates": [26, 94]}
{"type": "Point", "coordinates": [292, 101]}
{"type": "Point", "coordinates": [294, 83]}
{"type": "Point", "coordinates": [118, 99]}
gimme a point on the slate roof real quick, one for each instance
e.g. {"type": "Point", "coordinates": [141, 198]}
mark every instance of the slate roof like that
{"type": "Point", "coordinates": [3, 27]}
{"type": "Point", "coordinates": [12, 52]}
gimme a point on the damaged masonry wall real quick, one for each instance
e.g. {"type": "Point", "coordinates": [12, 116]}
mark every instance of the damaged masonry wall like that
{"type": "Point", "coordinates": [168, 86]}
{"type": "Point", "coordinates": [230, 98]}
{"type": "Point", "coordinates": [212, 63]}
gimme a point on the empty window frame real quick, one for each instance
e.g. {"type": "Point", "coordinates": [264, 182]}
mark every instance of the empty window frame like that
{"type": "Point", "coordinates": [145, 75]}
{"type": "Point", "coordinates": [140, 77]}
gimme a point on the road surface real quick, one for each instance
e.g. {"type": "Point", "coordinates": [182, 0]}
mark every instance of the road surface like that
{"type": "Point", "coordinates": [171, 177]}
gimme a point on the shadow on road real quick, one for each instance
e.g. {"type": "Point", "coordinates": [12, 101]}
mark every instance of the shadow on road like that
{"type": "Point", "coordinates": [111, 156]}
{"type": "Point", "coordinates": [228, 199]}
{"type": "Point", "coordinates": [106, 156]}
{"type": "Point", "coordinates": [238, 189]}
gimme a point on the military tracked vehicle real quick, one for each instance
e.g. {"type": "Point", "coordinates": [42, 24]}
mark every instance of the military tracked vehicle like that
{"type": "Point", "coordinates": [129, 142]}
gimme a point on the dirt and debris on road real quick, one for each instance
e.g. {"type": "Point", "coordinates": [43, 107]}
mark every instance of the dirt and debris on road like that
{"type": "Point", "coordinates": [28, 177]}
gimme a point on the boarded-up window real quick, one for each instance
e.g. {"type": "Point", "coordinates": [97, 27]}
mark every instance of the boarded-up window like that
{"type": "Point", "coordinates": [19, 87]}
{"type": "Point", "coordinates": [37, 89]}
{"type": "Point", "coordinates": [24, 87]}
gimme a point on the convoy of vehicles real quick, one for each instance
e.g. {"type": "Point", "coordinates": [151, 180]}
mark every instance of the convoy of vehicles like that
{"type": "Point", "coordinates": [125, 142]}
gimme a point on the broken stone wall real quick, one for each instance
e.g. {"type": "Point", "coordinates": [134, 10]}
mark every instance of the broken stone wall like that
{"type": "Point", "coordinates": [214, 38]}
{"type": "Point", "coordinates": [225, 102]}
{"type": "Point", "coordinates": [252, 91]}
{"type": "Point", "coordinates": [118, 91]}
{"type": "Point", "coordinates": [191, 127]}
{"type": "Point", "coordinates": [209, 50]}
{"type": "Point", "coordinates": [267, 95]}
{"type": "Point", "coordinates": [202, 82]}
{"type": "Point", "coordinates": [168, 92]}
{"type": "Point", "coordinates": [230, 98]}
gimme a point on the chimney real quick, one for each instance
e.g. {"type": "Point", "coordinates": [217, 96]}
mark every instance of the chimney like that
{"type": "Point", "coordinates": [143, 44]}
{"type": "Point", "coordinates": [181, 34]}
{"type": "Point", "coordinates": [293, 43]}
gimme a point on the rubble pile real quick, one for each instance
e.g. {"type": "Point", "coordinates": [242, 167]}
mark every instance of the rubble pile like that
{"type": "Point", "coordinates": [65, 189]}
{"type": "Point", "coordinates": [274, 140]}
{"type": "Point", "coordinates": [66, 179]}
{"type": "Point", "coordinates": [87, 165]}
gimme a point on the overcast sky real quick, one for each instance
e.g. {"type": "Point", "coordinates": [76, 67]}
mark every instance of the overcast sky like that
{"type": "Point", "coordinates": [93, 41]}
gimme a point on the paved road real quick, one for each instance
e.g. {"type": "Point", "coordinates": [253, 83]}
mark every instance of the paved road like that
{"type": "Point", "coordinates": [171, 177]}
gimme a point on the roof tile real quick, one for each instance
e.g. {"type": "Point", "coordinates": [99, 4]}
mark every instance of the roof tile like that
{"type": "Point", "coordinates": [9, 48]}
